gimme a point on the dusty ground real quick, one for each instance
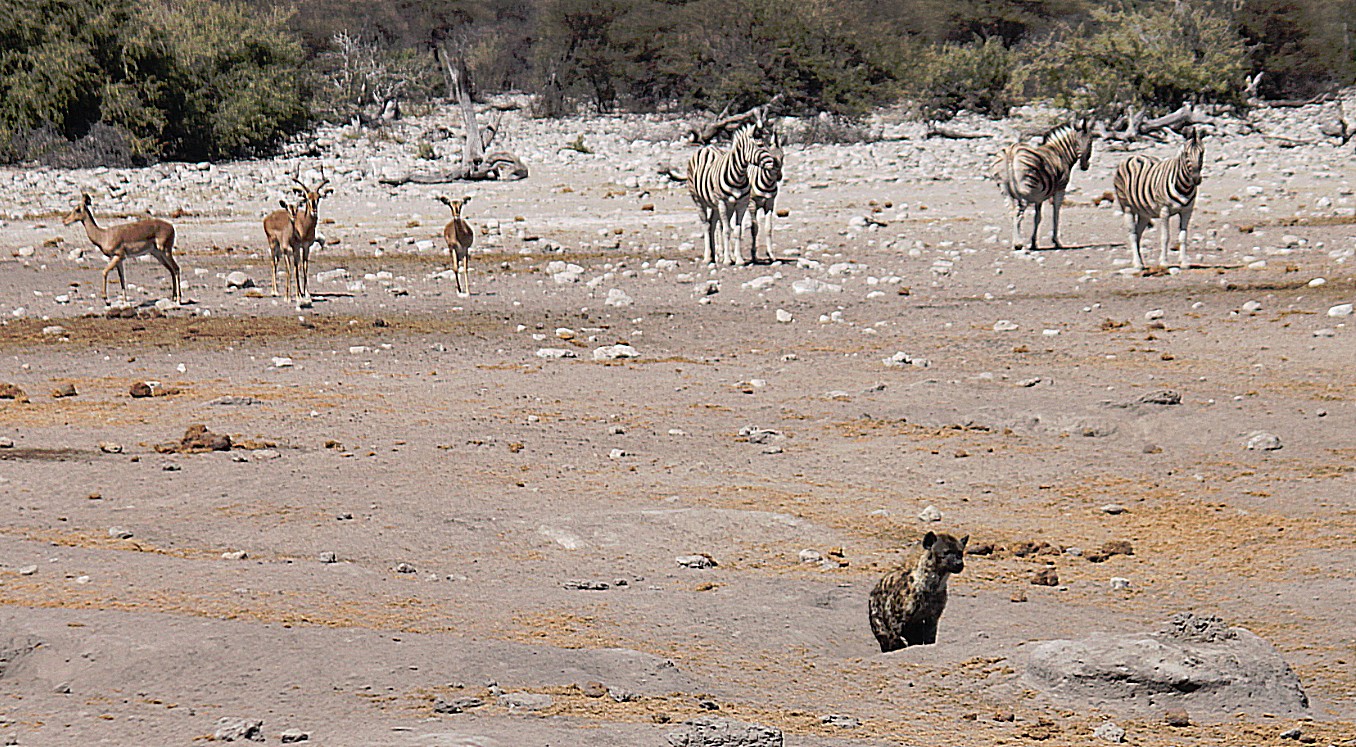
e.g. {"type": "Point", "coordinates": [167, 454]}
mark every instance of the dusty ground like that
{"type": "Point", "coordinates": [421, 428]}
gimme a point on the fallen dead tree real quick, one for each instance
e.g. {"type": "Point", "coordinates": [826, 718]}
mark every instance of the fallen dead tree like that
{"type": "Point", "coordinates": [725, 124]}
{"type": "Point", "coordinates": [476, 164]}
{"type": "Point", "coordinates": [1133, 124]}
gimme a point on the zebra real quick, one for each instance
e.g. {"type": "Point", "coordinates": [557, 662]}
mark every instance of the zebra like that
{"type": "Point", "coordinates": [765, 176]}
{"type": "Point", "coordinates": [1032, 174]}
{"type": "Point", "coordinates": [1147, 188]}
{"type": "Point", "coordinates": [718, 181]}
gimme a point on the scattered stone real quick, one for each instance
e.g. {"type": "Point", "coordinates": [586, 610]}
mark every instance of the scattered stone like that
{"type": "Point", "coordinates": [784, 316]}
{"type": "Point", "coordinates": [238, 279]}
{"type": "Point", "coordinates": [699, 561]}
{"type": "Point", "coordinates": [328, 557]}
{"type": "Point", "coordinates": [1262, 441]}
{"type": "Point", "coordinates": [587, 585]}
{"type": "Point", "coordinates": [810, 556]}
{"type": "Point", "coordinates": [757, 435]}
{"type": "Point", "coordinates": [526, 701]}
{"type": "Point", "coordinates": [1177, 717]}
{"type": "Point", "coordinates": [931, 513]}
{"type": "Point", "coordinates": [1291, 733]}
{"type": "Point", "coordinates": [292, 736]}
{"type": "Point", "coordinates": [282, 361]}
{"type": "Point", "coordinates": [1119, 584]}
{"type": "Point", "coordinates": [232, 729]}
{"type": "Point", "coordinates": [812, 285]}
{"type": "Point", "coordinates": [143, 389]}
{"type": "Point", "coordinates": [404, 568]}
{"type": "Point", "coordinates": [556, 353]}
{"type": "Point", "coordinates": [53, 330]}
{"type": "Point", "coordinates": [197, 439]}
{"type": "Point", "coordinates": [1113, 509]}
{"type": "Point", "coordinates": [110, 447]}
{"type": "Point", "coordinates": [1325, 332]}
{"type": "Point", "coordinates": [1110, 732]}
{"type": "Point", "coordinates": [1195, 663]}
{"type": "Point", "coordinates": [235, 555]}
{"type": "Point", "coordinates": [1162, 397]}
{"type": "Point", "coordinates": [621, 695]}
{"type": "Point", "coordinates": [6, 442]}
{"type": "Point", "coordinates": [1342, 309]}
{"type": "Point", "coordinates": [1109, 548]}
{"type": "Point", "coordinates": [617, 297]}
{"type": "Point", "coordinates": [232, 400]}
{"type": "Point", "coordinates": [1045, 576]}
{"type": "Point", "coordinates": [121, 533]}
{"type": "Point", "coordinates": [1004, 325]}
{"type": "Point", "coordinates": [592, 689]}
{"type": "Point", "coordinates": [28, 570]}
{"type": "Point", "coordinates": [904, 359]}
{"type": "Point", "coordinates": [710, 731]}
{"type": "Point", "coordinates": [841, 721]}
{"type": "Point", "coordinates": [615, 352]}
{"type": "Point", "coordinates": [10, 391]}
{"type": "Point", "coordinates": [65, 390]}
{"type": "Point", "coordinates": [1018, 596]}
{"type": "Point", "coordinates": [456, 705]}
{"type": "Point", "coordinates": [62, 688]}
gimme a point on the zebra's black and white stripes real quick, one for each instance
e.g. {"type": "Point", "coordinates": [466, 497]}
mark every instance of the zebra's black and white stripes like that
{"type": "Point", "coordinates": [1033, 174]}
{"type": "Point", "coordinates": [718, 180]}
{"type": "Point", "coordinates": [1147, 188]}
{"type": "Point", "coordinates": [765, 178]}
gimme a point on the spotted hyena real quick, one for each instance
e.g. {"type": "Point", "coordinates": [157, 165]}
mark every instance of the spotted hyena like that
{"type": "Point", "coordinates": [907, 602]}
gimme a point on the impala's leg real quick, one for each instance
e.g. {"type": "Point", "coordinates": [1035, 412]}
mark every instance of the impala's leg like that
{"type": "Point", "coordinates": [466, 270]}
{"type": "Point", "coordinates": [172, 266]}
{"type": "Point", "coordinates": [1185, 217]}
{"type": "Point", "coordinates": [1056, 202]}
{"type": "Point", "coordinates": [122, 279]}
{"type": "Point", "coordinates": [112, 264]}
{"type": "Point", "coordinates": [273, 251]}
{"type": "Point", "coordinates": [456, 271]}
{"type": "Point", "coordinates": [1035, 224]}
{"type": "Point", "coordinates": [306, 272]}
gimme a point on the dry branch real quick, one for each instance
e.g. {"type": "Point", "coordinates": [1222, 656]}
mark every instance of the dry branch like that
{"type": "Point", "coordinates": [498, 166]}
{"type": "Point", "coordinates": [727, 124]}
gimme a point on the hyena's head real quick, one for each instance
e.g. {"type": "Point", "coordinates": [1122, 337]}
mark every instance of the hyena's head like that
{"type": "Point", "coordinates": [948, 553]}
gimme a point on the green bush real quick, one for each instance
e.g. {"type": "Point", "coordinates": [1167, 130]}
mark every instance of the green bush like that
{"type": "Point", "coordinates": [958, 77]}
{"type": "Point", "coordinates": [194, 79]}
{"type": "Point", "coordinates": [1154, 58]}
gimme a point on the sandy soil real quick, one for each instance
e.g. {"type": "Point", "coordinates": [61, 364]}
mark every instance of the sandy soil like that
{"type": "Point", "coordinates": [416, 427]}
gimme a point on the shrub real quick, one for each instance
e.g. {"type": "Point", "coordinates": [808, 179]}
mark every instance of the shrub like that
{"type": "Point", "coordinates": [357, 73]}
{"type": "Point", "coordinates": [954, 77]}
{"type": "Point", "coordinates": [1155, 59]}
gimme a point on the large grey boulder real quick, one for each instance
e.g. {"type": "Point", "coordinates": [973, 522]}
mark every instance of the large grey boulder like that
{"type": "Point", "coordinates": [1195, 663]}
{"type": "Point", "coordinates": [722, 732]}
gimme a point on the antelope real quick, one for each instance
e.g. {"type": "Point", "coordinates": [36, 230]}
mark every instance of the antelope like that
{"type": "Point", "coordinates": [459, 238]}
{"type": "Point", "coordinates": [303, 233]}
{"type": "Point", "coordinates": [149, 236]}
{"type": "Point", "coordinates": [279, 228]}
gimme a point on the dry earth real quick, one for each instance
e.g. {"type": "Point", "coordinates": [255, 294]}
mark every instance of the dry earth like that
{"type": "Point", "coordinates": [416, 427]}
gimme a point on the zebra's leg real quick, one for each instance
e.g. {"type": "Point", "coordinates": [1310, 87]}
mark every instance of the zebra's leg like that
{"type": "Point", "coordinates": [1016, 208]}
{"type": "Point", "coordinates": [741, 212]}
{"type": "Point", "coordinates": [1035, 224]}
{"type": "Point", "coordinates": [767, 231]}
{"type": "Point", "coordinates": [1185, 217]}
{"type": "Point", "coordinates": [1056, 202]}
{"type": "Point", "coordinates": [755, 223]}
{"type": "Point", "coordinates": [709, 219]}
{"type": "Point", "coordinates": [1164, 235]}
{"type": "Point", "coordinates": [1134, 227]}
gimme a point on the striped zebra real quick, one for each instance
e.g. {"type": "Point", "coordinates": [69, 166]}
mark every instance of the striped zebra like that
{"type": "Point", "coordinates": [1032, 174]}
{"type": "Point", "coordinates": [1147, 188]}
{"type": "Point", "coordinates": [718, 180]}
{"type": "Point", "coordinates": [765, 178]}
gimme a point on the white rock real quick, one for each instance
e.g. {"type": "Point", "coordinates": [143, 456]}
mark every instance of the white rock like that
{"type": "Point", "coordinates": [812, 285]}
{"type": "Point", "coordinates": [424, 245]}
{"type": "Point", "coordinates": [28, 570]}
{"type": "Point", "coordinates": [1119, 583]}
{"type": "Point", "coordinates": [614, 352]}
{"type": "Point", "coordinates": [1154, 314]}
{"type": "Point", "coordinates": [930, 514]}
{"type": "Point", "coordinates": [1317, 282]}
{"type": "Point", "coordinates": [1003, 325]}
{"type": "Point", "coordinates": [810, 556]}
{"type": "Point", "coordinates": [902, 358]}
{"type": "Point", "coordinates": [1110, 732]}
{"type": "Point", "coordinates": [763, 282]}
{"type": "Point", "coordinates": [784, 316]}
{"type": "Point", "coordinates": [282, 361]}
{"type": "Point", "coordinates": [1341, 309]}
{"type": "Point", "coordinates": [55, 330]}
{"type": "Point", "coordinates": [338, 273]}
{"type": "Point", "coordinates": [236, 555]}
{"type": "Point", "coordinates": [695, 561]}
{"type": "Point", "coordinates": [1252, 306]}
{"type": "Point", "coordinates": [1262, 441]}
{"type": "Point", "coordinates": [617, 297]}
{"type": "Point", "coordinates": [556, 353]}
{"type": "Point", "coordinates": [238, 279]}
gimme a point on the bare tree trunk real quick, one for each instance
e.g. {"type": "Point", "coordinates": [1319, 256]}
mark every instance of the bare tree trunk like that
{"type": "Point", "coordinates": [459, 90]}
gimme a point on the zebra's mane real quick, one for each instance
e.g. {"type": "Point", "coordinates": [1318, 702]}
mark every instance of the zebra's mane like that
{"type": "Point", "coordinates": [1058, 133]}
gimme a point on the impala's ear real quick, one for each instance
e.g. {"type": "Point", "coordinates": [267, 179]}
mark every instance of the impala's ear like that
{"type": "Point", "coordinates": [85, 199]}
{"type": "Point", "coordinates": [284, 205]}
{"type": "Point", "coordinates": [466, 199]}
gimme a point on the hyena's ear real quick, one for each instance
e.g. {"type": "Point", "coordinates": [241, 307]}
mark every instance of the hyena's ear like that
{"type": "Point", "coordinates": [929, 540]}
{"type": "Point", "coordinates": [964, 541]}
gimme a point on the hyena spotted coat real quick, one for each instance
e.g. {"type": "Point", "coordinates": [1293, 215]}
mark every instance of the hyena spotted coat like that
{"type": "Point", "coordinates": [907, 603]}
